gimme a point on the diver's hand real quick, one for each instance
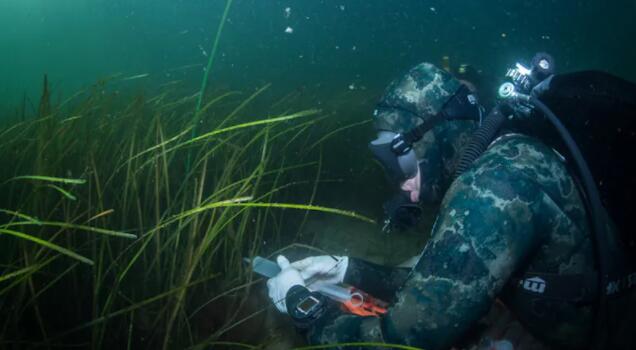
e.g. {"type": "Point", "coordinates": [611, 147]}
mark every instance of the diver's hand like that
{"type": "Point", "coordinates": [324, 269]}
{"type": "Point", "coordinates": [279, 285]}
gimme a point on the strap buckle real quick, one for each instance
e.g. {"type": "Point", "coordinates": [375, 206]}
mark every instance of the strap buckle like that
{"type": "Point", "coordinates": [399, 145]}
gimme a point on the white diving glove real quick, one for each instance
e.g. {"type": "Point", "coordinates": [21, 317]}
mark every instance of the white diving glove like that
{"type": "Point", "coordinates": [324, 269]}
{"type": "Point", "coordinates": [279, 285]}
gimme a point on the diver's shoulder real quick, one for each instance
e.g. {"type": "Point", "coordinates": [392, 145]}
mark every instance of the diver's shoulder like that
{"type": "Point", "coordinates": [514, 148]}
{"type": "Point", "coordinates": [514, 139]}
{"type": "Point", "coordinates": [513, 157]}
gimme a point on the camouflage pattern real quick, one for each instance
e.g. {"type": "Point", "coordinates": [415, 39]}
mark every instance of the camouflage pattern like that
{"type": "Point", "coordinates": [420, 94]}
{"type": "Point", "coordinates": [408, 102]}
{"type": "Point", "coordinates": [515, 210]}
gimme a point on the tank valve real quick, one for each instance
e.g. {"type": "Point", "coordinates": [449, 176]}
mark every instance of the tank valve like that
{"type": "Point", "coordinates": [507, 91]}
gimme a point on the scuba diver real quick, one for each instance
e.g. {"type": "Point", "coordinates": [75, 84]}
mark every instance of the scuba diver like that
{"type": "Point", "coordinates": [521, 220]}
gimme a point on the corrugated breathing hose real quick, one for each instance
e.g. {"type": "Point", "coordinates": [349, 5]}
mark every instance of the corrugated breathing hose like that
{"type": "Point", "coordinates": [480, 140]}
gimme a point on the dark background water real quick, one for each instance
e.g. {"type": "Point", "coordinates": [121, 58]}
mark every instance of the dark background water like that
{"type": "Point", "coordinates": [334, 43]}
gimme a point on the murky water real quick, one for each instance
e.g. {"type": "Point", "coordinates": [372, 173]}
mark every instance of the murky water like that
{"type": "Point", "coordinates": [335, 56]}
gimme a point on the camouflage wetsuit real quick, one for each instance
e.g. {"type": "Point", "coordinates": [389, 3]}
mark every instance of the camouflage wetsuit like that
{"type": "Point", "coordinates": [515, 210]}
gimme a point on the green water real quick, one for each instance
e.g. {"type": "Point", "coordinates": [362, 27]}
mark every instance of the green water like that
{"type": "Point", "coordinates": [333, 44]}
{"type": "Point", "coordinates": [336, 56]}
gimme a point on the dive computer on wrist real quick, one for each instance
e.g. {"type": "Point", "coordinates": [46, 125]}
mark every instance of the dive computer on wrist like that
{"type": "Point", "coordinates": [304, 306]}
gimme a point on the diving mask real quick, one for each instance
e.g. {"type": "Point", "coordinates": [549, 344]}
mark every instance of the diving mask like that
{"type": "Point", "coordinates": [396, 156]}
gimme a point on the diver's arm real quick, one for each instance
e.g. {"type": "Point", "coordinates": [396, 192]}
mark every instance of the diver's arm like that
{"type": "Point", "coordinates": [480, 236]}
{"type": "Point", "coordinates": [382, 282]}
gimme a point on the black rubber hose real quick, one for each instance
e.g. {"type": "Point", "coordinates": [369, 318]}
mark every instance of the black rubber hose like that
{"type": "Point", "coordinates": [603, 241]}
{"type": "Point", "coordinates": [480, 140]}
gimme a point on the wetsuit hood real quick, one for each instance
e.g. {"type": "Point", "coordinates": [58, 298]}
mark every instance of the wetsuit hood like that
{"type": "Point", "coordinates": [415, 98]}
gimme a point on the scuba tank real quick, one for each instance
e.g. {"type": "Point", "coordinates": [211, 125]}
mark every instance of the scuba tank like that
{"type": "Point", "coordinates": [600, 111]}
{"type": "Point", "coordinates": [597, 120]}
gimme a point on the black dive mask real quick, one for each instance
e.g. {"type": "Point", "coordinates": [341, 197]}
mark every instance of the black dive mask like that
{"type": "Point", "coordinates": [396, 156]}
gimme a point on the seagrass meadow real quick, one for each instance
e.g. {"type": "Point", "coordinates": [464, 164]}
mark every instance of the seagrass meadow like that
{"type": "Point", "coordinates": [126, 218]}
{"type": "Point", "coordinates": [119, 227]}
